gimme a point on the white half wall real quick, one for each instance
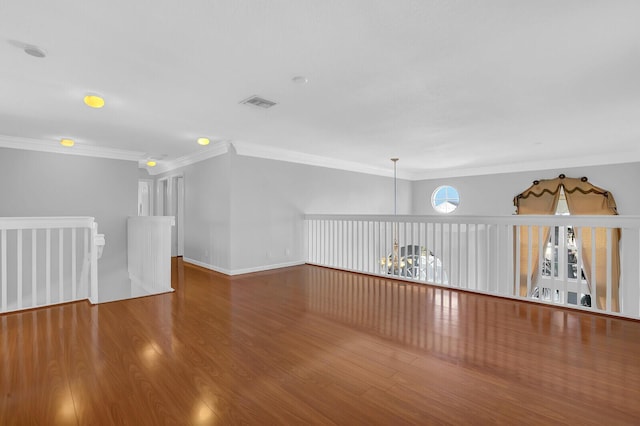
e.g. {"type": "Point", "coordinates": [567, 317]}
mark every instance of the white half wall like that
{"type": "Point", "coordinates": [48, 184]}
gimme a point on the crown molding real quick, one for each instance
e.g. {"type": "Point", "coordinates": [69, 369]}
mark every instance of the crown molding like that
{"type": "Point", "coordinates": [260, 151]}
{"type": "Point", "coordinates": [530, 166]}
{"type": "Point", "coordinates": [216, 149]}
{"type": "Point", "coordinates": [45, 145]}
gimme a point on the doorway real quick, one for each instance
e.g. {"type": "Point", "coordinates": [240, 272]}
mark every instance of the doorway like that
{"type": "Point", "coordinates": [170, 202]}
{"type": "Point", "coordinates": [145, 197]}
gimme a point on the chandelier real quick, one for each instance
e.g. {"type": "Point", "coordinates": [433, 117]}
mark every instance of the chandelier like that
{"type": "Point", "coordinates": [410, 260]}
{"type": "Point", "coordinates": [392, 263]}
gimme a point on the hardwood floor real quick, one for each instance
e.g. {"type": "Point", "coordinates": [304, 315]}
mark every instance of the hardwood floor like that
{"type": "Point", "coordinates": [309, 345]}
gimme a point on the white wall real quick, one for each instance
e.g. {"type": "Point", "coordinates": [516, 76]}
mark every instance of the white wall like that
{"type": "Point", "coordinates": [492, 195]}
{"type": "Point", "coordinates": [47, 184]}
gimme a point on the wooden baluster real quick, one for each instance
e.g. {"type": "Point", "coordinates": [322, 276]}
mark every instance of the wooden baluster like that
{"type": "Point", "coordinates": [94, 266]}
{"type": "Point", "coordinates": [367, 248]}
{"type": "Point", "coordinates": [60, 265]}
{"type": "Point", "coordinates": [609, 268]}
{"type": "Point", "coordinates": [469, 255]}
{"type": "Point", "coordinates": [319, 241]}
{"type": "Point", "coordinates": [529, 256]}
{"type": "Point", "coordinates": [360, 248]}
{"type": "Point", "coordinates": [352, 224]}
{"type": "Point", "coordinates": [594, 290]}
{"type": "Point", "coordinates": [579, 284]}
{"type": "Point", "coordinates": [340, 243]}
{"type": "Point", "coordinates": [385, 248]}
{"type": "Point", "coordinates": [34, 267]}
{"type": "Point", "coordinates": [449, 256]}
{"type": "Point", "coordinates": [323, 242]}
{"type": "Point", "coordinates": [541, 248]}
{"type": "Point", "coordinates": [311, 256]}
{"type": "Point", "coordinates": [74, 284]}
{"type": "Point", "coordinates": [3, 247]}
{"type": "Point", "coordinates": [488, 251]}
{"type": "Point", "coordinates": [433, 248]}
{"type": "Point", "coordinates": [477, 256]}
{"type": "Point", "coordinates": [48, 266]}
{"type": "Point", "coordinates": [19, 266]}
{"type": "Point", "coordinates": [348, 247]}
{"type": "Point", "coordinates": [334, 237]}
{"type": "Point", "coordinates": [516, 285]}
{"type": "Point", "coordinates": [331, 243]}
{"type": "Point", "coordinates": [405, 244]}
{"type": "Point", "coordinates": [316, 242]}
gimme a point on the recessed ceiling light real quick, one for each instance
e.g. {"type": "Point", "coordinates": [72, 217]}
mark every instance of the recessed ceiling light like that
{"type": "Point", "coordinates": [300, 79]}
{"type": "Point", "coordinates": [151, 163]}
{"type": "Point", "coordinates": [94, 101]}
{"type": "Point", "coordinates": [35, 51]}
{"type": "Point", "coordinates": [203, 141]}
{"type": "Point", "coordinates": [67, 142]}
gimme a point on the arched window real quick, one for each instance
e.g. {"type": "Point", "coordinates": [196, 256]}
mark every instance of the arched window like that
{"type": "Point", "coordinates": [543, 197]}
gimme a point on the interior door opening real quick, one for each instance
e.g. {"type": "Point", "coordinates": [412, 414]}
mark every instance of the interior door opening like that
{"type": "Point", "coordinates": [170, 202]}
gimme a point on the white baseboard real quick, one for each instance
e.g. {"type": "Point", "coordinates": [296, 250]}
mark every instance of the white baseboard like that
{"type": "Point", "coordinates": [233, 272]}
{"type": "Point", "coordinates": [267, 267]}
{"type": "Point", "coordinates": [138, 289]}
{"type": "Point", "coordinates": [206, 265]}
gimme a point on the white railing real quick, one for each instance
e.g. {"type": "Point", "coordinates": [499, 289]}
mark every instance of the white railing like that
{"type": "Point", "coordinates": [48, 260]}
{"type": "Point", "coordinates": [149, 253]}
{"type": "Point", "coordinates": [493, 255]}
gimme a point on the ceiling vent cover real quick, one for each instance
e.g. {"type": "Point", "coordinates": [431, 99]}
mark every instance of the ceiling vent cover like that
{"type": "Point", "coordinates": [258, 102]}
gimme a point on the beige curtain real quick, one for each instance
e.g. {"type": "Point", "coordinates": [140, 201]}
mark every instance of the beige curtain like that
{"type": "Point", "coordinates": [586, 199]}
{"type": "Point", "coordinates": [541, 198]}
{"type": "Point", "coordinates": [583, 198]}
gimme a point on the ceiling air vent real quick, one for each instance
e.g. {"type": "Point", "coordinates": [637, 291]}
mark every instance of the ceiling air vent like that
{"type": "Point", "coordinates": [259, 102]}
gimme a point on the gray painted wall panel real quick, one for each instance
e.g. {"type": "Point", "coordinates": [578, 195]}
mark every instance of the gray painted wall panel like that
{"type": "Point", "coordinates": [493, 194]}
{"type": "Point", "coordinates": [47, 184]}
{"type": "Point", "coordinates": [207, 210]}
{"type": "Point", "coordinates": [269, 199]}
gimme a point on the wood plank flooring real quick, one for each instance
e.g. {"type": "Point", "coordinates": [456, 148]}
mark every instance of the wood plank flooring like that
{"type": "Point", "coordinates": [308, 345]}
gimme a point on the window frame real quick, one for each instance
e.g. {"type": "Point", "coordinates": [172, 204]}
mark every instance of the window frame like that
{"type": "Point", "coordinates": [446, 199]}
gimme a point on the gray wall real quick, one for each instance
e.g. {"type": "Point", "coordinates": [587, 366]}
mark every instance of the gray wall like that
{"type": "Point", "coordinates": [207, 211]}
{"type": "Point", "coordinates": [493, 194]}
{"type": "Point", "coordinates": [269, 199]}
{"type": "Point", "coordinates": [245, 213]}
{"type": "Point", "coordinates": [47, 184]}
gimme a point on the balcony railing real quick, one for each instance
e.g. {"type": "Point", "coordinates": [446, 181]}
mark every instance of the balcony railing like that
{"type": "Point", "coordinates": [572, 261]}
{"type": "Point", "coordinates": [48, 260]}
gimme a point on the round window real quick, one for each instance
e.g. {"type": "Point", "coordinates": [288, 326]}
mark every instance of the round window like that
{"type": "Point", "coordinates": [445, 199]}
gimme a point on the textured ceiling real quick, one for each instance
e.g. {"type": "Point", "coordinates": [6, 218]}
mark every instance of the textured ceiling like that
{"type": "Point", "coordinates": [450, 87]}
